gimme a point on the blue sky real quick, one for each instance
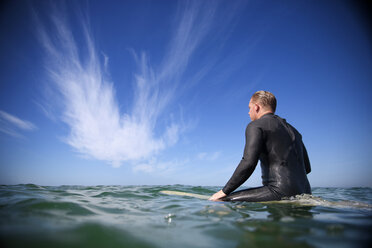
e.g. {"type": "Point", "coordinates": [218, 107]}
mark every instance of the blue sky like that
{"type": "Point", "coordinates": [157, 92]}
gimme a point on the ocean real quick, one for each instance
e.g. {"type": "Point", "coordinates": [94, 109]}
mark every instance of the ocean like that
{"type": "Point", "coordinates": [143, 216]}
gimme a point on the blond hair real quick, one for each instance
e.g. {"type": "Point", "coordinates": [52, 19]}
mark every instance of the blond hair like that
{"type": "Point", "coordinates": [266, 99]}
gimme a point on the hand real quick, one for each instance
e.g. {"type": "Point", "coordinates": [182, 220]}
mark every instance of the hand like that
{"type": "Point", "coordinates": [217, 196]}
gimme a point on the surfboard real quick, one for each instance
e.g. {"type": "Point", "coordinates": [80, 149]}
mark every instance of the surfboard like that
{"type": "Point", "coordinates": [171, 192]}
{"type": "Point", "coordinates": [301, 200]}
{"type": "Point", "coordinates": [205, 197]}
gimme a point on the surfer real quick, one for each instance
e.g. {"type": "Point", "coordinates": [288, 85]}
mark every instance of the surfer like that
{"type": "Point", "coordinates": [279, 147]}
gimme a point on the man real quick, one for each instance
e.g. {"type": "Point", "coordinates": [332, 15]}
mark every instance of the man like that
{"type": "Point", "coordinates": [279, 147]}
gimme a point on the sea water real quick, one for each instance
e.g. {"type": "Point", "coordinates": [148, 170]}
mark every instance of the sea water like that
{"type": "Point", "coordinates": [143, 216]}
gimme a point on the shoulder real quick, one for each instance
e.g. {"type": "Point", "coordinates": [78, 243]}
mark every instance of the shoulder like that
{"type": "Point", "coordinates": [291, 127]}
{"type": "Point", "coordinates": [253, 128]}
{"type": "Point", "coordinates": [295, 130]}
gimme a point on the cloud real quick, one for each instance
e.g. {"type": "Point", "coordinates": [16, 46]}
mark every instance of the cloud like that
{"type": "Point", "coordinates": [11, 125]}
{"type": "Point", "coordinates": [208, 156]}
{"type": "Point", "coordinates": [80, 85]}
{"type": "Point", "coordinates": [163, 168]}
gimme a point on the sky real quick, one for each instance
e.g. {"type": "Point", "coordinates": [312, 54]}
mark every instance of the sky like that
{"type": "Point", "coordinates": [156, 92]}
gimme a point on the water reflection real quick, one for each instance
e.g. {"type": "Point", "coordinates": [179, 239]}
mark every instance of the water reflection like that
{"type": "Point", "coordinates": [285, 213]}
{"type": "Point", "coordinates": [284, 225]}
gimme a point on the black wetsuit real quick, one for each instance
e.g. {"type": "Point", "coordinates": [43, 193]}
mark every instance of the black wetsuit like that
{"type": "Point", "coordinates": [284, 162]}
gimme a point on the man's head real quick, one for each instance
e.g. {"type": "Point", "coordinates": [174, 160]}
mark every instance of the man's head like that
{"type": "Point", "coordinates": [262, 102]}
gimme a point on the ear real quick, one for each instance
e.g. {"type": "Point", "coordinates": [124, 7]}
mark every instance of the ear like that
{"type": "Point", "coordinates": [256, 107]}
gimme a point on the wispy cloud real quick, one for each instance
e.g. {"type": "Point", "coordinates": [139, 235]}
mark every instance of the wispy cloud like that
{"type": "Point", "coordinates": [13, 125]}
{"type": "Point", "coordinates": [89, 103]}
{"type": "Point", "coordinates": [208, 156]}
{"type": "Point", "coordinates": [164, 168]}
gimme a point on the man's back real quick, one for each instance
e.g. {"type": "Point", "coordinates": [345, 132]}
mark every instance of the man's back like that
{"type": "Point", "coordinates": [284, 160]}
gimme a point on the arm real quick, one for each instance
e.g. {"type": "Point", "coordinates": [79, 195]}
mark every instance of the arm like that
{"type": "Point", "coordinates": [306, 160]}
{"type": "Point", "coordinates": [252, 150]}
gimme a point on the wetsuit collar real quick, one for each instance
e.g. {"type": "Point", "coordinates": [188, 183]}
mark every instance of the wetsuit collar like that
{"type": "Point", "coordinates": [267, 114]}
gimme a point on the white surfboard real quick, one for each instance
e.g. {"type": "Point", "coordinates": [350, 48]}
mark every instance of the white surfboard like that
{"type": "Point", "coordinates": [171, 192]}
{"type": "Point", "coordinates": [301, 200]}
